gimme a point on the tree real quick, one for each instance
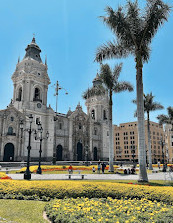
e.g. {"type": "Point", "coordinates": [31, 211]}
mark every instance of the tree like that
{"type": "Point", "coordinates": [110, 80]}
{"type": "Point", "coordinates": [150, 105]}
{"type": "Point", "coordinates": [167, 119]}
{"type": "Point", "coordinates": [134, 31]}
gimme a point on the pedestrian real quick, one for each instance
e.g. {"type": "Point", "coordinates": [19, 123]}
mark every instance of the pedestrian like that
{"type": "Point", "coordinates": [70, 169]}
{"type": "Point", "coordinates": [158, 164]}
{"type": "Point", "coordinates": [94, 170]}
{"type": "Point", "coordinates": [98, 167]}
{"type": "Point", "coordinates": [103, 167]}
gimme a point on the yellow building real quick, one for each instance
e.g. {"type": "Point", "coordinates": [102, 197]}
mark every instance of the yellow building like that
{"type": "Point", "coordinates": [126, 142]}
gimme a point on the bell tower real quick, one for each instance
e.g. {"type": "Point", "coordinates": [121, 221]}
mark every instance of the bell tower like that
{"type": "Point", "coordinates": [31, 80]}
{"type": "Point", "coordinates": [97, 101]}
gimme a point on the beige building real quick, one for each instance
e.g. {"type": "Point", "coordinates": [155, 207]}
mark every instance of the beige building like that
{"type": "Point", "coordinates": [126, 142]}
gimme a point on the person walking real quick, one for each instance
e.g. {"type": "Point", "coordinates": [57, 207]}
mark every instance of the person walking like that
{"type": "Point", "coordinates": [103, 167]}
{"type": "Point", "coordinates": [98, 167]}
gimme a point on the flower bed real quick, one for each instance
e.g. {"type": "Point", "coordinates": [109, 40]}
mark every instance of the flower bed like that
{"type": "Point", "coordinates": [3, 176]}
{"type": "Point", "coordinates": [45, 168]}
{"type": "Point", "coordinates": [46, 190]}
{"type": "Point", "coordinates": [108, 210]}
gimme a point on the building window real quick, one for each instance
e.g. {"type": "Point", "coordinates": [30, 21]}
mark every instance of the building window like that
{"type": "Point", "coordinates": [104, 115]}
{"type": "Point", "coordinates": [10, 130]}
{"type": "Point", "coordinates": [19, 94]}
{"type": "Point", "coordinates": [37, 93]}
{"type": "Point", "coordinates": [93, 114]}
{"type": "Point", "coordinates": [95, 131]}
{"type": "Point", "coordinates": [12, 118]}
{"type": "Point", "coordinates": [60, 125]}
{"type": "Point", "coordinates": [37, 120]}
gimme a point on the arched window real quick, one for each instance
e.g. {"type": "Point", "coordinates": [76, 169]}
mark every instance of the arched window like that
{"type": "Point", "coordinates": [10, 131]}
{"type": "Point", "coordinates": [37, 93]}
{"type": "Point", "coordinates": [93, 114]}
{"type": "Point", "coordinates": [104, 115]}
{"type": "Point", "coordinates": [19, 94]}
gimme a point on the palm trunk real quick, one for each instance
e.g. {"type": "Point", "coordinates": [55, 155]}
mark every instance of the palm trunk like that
{"type": "Point", "coordinates": [111, 150]}
{"type": "Point", "coordinates": [141, 127]}
{"type": "Point", "coordinates": [149, 142]}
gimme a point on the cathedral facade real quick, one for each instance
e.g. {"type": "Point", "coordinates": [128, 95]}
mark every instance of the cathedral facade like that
{"type": "Point", "coordinates": [73, 136]}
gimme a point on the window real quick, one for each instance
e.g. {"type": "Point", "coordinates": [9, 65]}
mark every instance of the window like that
{"type": "Point", "coordinates": [37, 120]}
{"type": "Point", "coordinates": [95, 131]}
{"type": "Point", "coordinates": [93, 114]}
{"type": "Point", "coordinates": [10, 130]}
{"type": "Point", "coordinates": [37, 93]}
{"type": "Point", "coordinates": [80, 126]}
{"type": "Point", "coordinates": [60, 125]}
{"type": "Point", "coordinates": [104, 115]}
{"type": "Point", "coordinates": [19, 94]}
{"type": "Point", "coordinates": [12, 118]}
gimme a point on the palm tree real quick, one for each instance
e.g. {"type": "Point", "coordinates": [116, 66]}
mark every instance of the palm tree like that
{"type": "Point", "coordinates": [110, 80]}
{"type": "Point", "coordinates": [150, 105]}
{"type": "Point", "coordinates": [134, 32]}
{"type": "Point", "coordinates": [167, 119]}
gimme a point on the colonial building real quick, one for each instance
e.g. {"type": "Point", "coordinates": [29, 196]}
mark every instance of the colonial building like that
{"type": "Point", "coordinates": [126, 142]}
{"type": "Point", "coordinates": [72, 136]}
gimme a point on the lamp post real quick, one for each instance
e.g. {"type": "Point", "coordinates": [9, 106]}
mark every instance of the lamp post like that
{"type": "Point", "coordinates": [27, 174]}
{"type": "Point", "coordinates": [40, 131]}
{"type": "Point", "coordinates": [57, 88]}
{"type": "Point", "coordinates": [162, 143]}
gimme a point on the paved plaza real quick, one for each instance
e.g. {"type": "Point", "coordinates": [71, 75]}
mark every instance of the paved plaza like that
{"type": "Point", "coordinates": [154, 176]}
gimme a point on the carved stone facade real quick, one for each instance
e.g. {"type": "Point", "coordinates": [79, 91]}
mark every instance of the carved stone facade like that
{"type": "Point", "coordinates": [72, 136]}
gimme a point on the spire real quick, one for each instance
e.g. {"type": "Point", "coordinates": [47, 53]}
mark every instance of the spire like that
{"type": "Point", "coordinates": [97, 80]}
{"type": "Point", "coordinates": [18, 59]}
{"type": "Point", "coordinates": [33, 50]}
{"type": "Point", "coordinates": [46, 60]}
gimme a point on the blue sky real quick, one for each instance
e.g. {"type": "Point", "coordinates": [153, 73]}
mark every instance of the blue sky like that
{"type": "Point", "coordinates": [69, 32]}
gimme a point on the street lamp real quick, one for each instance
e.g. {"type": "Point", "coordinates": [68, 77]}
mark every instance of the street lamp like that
{"type": "Point", "coordinates": [162, 143]}
{"type": "Point", "coordinates": [40, 137]}
{"type": "Point", "coordinates": [146, 157]}
{"type": "Point", "coordinates": [27, 174]}
{"type": "Point", "coordinates": [57, 88]}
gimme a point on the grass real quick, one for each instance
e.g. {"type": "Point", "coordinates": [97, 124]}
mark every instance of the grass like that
{"type": "Point", "coordinates": [19, 211]}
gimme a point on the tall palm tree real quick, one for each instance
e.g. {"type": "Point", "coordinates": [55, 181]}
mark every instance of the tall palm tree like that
{"type": "Point", "coordinates": [149, 106]}
{"type": "Point", "coordinates": [134, 32]}
{"type": "Point", "coordinates": [167, 119]}
{"type": "Point", "coordinates": [110, 80]}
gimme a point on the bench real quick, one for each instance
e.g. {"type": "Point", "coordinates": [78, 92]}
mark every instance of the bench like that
{"type": "Point", "coordinates": [154, 171]}
{"type": "Point", "coordinates": [82, 175]}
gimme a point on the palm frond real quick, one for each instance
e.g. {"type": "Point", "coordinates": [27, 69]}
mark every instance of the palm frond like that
{"type": "Point", "coordinates": [117, 70]}
{"type": "Point", "coordinates": [170, 112]}
{"type": "Point", "coordinates": [163, 119]}
{"type": "Point", "coordinates": [157, 13]}
{"type": "Point", "coordinates": [123, 86]}
{"type": "Point", "coordinates": [106, 76]}
{"type": "Point", "coordinates": [94, 91]}
{"type": "Point", "coordinates": [111, 50]}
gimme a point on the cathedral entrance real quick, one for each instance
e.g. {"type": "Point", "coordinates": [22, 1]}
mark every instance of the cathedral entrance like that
{"type": "Point", "coordinates": [8, 152]}
{"type": "Point", "coordinates": [79, 151]}
{"type": "Point", "coordinates": [59, 153]}
{"type": "Point", "coordinates": [95, 154]}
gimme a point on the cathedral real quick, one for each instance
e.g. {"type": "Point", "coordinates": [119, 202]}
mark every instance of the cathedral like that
{"type": "Point", "coordinates": [75, 136]}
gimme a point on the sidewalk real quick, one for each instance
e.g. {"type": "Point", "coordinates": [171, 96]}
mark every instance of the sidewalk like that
{"type": "Point", "coordinates": [154, 176]}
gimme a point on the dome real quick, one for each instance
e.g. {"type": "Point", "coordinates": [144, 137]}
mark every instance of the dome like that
{"type": "Point", "coordinates": [33, 51]}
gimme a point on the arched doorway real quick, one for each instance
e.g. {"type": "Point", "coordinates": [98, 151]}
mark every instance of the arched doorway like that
{"type": "Point", "coordinates": [59, 153]}
{"type": "Point", "coordinates": [8, 152]}
{"type": "Point", "coordinates": [79, 151]}
{"type": "Point", "coordinates": [95, 154]}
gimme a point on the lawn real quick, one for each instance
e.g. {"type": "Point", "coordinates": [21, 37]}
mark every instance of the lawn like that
{"type": "Point", "coordinates": [19, 211]}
